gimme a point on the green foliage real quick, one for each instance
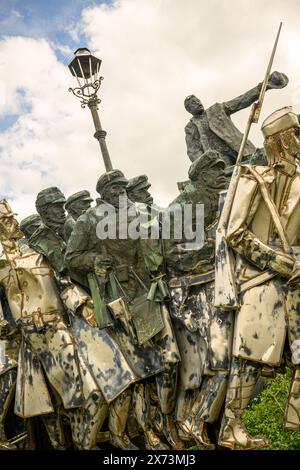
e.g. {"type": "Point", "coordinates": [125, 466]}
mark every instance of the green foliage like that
{"type": "Point", "coordinates": [265, 415]}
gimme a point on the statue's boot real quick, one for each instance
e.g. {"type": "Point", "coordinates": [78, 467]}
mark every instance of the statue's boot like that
{"type": "Point", "coordinates": [153, 442]}
{"type": "Point", "coordinates": [242, 381]}
{"type": "Point", "coordinates": [189, 430]}
{"type": "Point", "coordinates": [7, 388]}
{"type": "Point", "coordinates": [142, 409]}
{"type": "Point", "coordinates": [201, 437]}
{"type": "Point", "coordinates": [171, 434]}
{"type": "Point", "coordinates": [87, 420]}
{"type": "Point", "coordinates": [166, 385]}
{"type": "Point", "coordinates": [183, 413]}
{"type": "Point", "coordinates": [292, 409]}
{"type": "Point", "coordinates": [157, 420]}
{"type": "Point", "coordinates": [4, 443]}
{"type": "Point", "coordinates": [207, 407]}
{"type": "Point", "coordinates": [53, 425]}
{"type": "Point", "coordinates": [118, 415]}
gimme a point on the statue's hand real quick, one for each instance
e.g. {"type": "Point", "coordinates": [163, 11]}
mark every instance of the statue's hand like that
{"type": "Point", "coordinates": [282, 264]}
{"type": "Point", "coordinates": [4, 328]}
{"type": "Point", "coordinates": [103, 262]}
{"type": "Point", "coordinates": [89, 314]}
{"type": "Point", "coordinates": [277, 80]}
{"type": "Point", "coordinates": [294, 280]}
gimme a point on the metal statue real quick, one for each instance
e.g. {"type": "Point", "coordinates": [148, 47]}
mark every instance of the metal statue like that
{"type": "Point", "coordinates": [263, 232]}
{"type": "Point", "coordinates": [203, 332]}
{"type": "Point", "coordinates": [212, 128]}
{"type": "Point", "coordinates": [76, 205]}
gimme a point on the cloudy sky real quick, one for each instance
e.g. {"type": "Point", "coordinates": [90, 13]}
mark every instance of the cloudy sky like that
{"type": "Point", "coordinates": [154, 53]}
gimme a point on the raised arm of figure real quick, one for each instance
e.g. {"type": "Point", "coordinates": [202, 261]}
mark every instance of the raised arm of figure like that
{"type": "Point", "coordinates": [277, 80]}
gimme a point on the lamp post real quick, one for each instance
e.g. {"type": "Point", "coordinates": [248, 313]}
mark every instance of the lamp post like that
{"type": "Point", "coordinates": [86, 68]}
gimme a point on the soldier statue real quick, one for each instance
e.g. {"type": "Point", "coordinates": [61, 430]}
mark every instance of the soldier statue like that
{"type": "Point", "coordinates": [137, 190]}
{"type": "Point", "coordinates": [48, 239]}
{"type": "Point", "coordinates": [203, 332]}
{"type": "Point", "coordinates": [125, 275]}
{"type": "Point", "coordinates": [48, 347]}
{"type": "Point", "coordinates": [263, 232]}
{"type": "Point", "coordinates": [99, 348]}
{"type": "Point", "coordinates": [75, 205]}
{"type": "Point", "coordinates": [213, 129]}
{"type": "Point", "coordinates": [28, 226]}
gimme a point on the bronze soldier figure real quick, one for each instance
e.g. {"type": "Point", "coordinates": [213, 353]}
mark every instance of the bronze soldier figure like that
{"type": "Point", "coordinates": [99, 349]}
{"type": "Point", "coordinates": [138, 192]}
{"type": "Point", "coordinates": [76, 205]}
{"type": "Point", "coordinates": [212, 128]}
{"type": "Point", "coordinates": [203, 332]}
{"type": "Point", "coordinates": [126, 274]}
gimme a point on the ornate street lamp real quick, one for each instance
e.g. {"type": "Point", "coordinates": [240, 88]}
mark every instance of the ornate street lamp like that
{"type": "Point", "coordinates": [86, 68]}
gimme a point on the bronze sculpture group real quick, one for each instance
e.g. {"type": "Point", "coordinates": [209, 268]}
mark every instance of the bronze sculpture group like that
{"type": "Point", "coordinates": [123, 337]}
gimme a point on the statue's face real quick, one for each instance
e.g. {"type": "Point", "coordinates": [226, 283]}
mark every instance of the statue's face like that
{"type": "Point", "coordinates": [54, 214]}
{"type": "Point", "coordinates": [79, 207]}
{"type": "Point", "coordinates": [9, 228]}
{"type": "Point", "coordinates": [116, 195]}
{"type": "Point", "coordinates": [283, 146]}
{"type": "Point", "coordinates": [294, 142]}
{"type": "Point", "coordinates": [194, 106]}
{"type": "Point", "coordinates": [214, 176]}
{"type": "Point", "coordinates": [141, 195]}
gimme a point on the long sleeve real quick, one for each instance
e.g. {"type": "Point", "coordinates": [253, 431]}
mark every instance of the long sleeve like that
{"type": "Point", "coordinates": [80, 255]}
{"type": "Point", "coordinates": [242, 101]}
{"type": "Point", "coordinates": [193, 142]}
{"type": "Point", "coordinates": [244, 242]}
{"type": "Point", "coordinates": [242, 239]}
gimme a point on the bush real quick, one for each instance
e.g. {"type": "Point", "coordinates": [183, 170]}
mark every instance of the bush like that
{"type": "Point", "coordinates": [265, 415]}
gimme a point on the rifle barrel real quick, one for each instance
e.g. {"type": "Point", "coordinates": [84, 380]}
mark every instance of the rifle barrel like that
{"type": "Point", "coordinates": [259, 103]}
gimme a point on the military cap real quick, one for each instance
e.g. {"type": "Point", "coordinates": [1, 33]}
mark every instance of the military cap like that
{"type": "Point", "coordinates": [30, 221]}
{"type": "Point", "coordinates": [140, 182]}
{"type": "Point", "coordinates": [5, 209]}
{"type": "Point", "coordinates": [110, 177]}
{"type": "Point", "coordinates": [206, 160]}
{"type": "Point", "coordinates": [279, 121]}
{"type": "Point", "coordinates": [49, 196]}
{"type": "Point", "coordinates": [82, 195]}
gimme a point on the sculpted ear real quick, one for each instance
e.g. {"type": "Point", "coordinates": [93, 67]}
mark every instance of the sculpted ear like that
{"type": "Point", "coordinates": [285, 141]}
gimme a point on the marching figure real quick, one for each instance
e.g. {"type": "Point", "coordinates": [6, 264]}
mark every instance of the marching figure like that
{"type": "Point", "coordinates": [99, 349]}
{"type": "Point", "coordinates": [124, 272]}
{"type": "Point", "coordinates": [83, 366]}
{"type": "Point", "coordinates": [76, 205]}
{"type": "Point", "coordinates": [264, 232]}
{"type": "Point", "coordinates": [203, 332]}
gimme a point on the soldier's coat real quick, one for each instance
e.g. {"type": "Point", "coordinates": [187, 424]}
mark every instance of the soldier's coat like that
{"type": "Point", "coordinates": [50, 348]}
{"type": "Point", "coordinates": [127, 256]}
{"type": "Point", "coordinates": [267, 309]}
{"type": "Point", "coordinates": [204, 333]}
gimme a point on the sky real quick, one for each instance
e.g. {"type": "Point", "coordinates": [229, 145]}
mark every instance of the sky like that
{"type": "Point", "coordinates": [154, 53]}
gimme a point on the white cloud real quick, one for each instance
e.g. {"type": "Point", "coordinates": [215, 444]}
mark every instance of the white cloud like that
{"type": "Point", "coordinates": [16, 13]}
{"type": "Point", "coordinates": [154, 52]}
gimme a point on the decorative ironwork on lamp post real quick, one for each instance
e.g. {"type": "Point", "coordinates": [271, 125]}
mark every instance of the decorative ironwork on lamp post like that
{"type": "Point", "coordinates": [86, 68]}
